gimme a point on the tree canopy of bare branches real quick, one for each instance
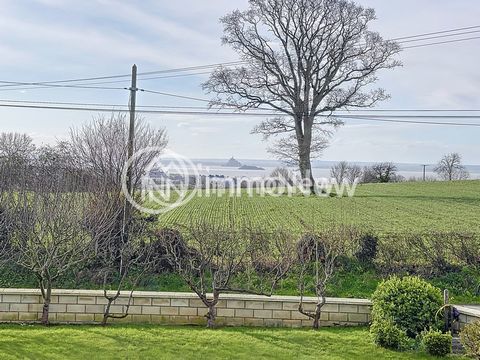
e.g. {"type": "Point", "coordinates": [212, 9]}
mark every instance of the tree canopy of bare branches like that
{"type": "Point", "coordinates": [15, 146]}
{"type": "Point", "coordinates": [211, 257]}
{"type": "Point", "coordinates": [343, 171]}
{"type": "Point", "coordinates": [381, 173]}
{"type": "Point", "coordinates": [450, 168]}
{"type": "Point", "coordinates": [100, 147]}
{"type": "Point", "coordinates": [304, 59]}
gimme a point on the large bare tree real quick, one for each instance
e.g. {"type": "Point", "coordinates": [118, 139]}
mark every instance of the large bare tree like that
{"type": "Point", "coordinates": [304, 59]}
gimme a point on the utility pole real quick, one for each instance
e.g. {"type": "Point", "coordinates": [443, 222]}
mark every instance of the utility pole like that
{"type": "Point", "coordinates": [131, 130]}
{"type": "Point", "coordinates": [131, 138]}
{"type": "Point", "coordinates": [424, 172]}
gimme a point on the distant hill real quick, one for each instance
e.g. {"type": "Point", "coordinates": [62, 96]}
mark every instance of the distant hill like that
{"type": "Point", "coordinates": [232, 163]}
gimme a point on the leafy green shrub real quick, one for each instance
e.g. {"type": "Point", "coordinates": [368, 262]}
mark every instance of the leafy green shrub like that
{"type": "Point", "coordinates": [436, 343]}
{"type": "Point", "coordinates": [410, 302]}
{"type": "Point", "coordinates": [470, 338]}
{"type": "Point", "coordinates": [388, 335]}
{"type": "Point", "coordinates": [368, 249]}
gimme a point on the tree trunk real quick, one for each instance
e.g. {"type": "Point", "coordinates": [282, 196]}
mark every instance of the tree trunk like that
{"type": "Point", "coordinates": [316, 321]}
{"type": "Point", "coordinates": [106, 312]}
{"type": "Point", "coordinates": [305, 165]}
{"type": "Point", "coordinates": [211, 315]}
{"type": "Point", "coordinates": [46, 304]}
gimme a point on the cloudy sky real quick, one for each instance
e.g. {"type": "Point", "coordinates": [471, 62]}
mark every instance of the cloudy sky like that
{"type": "Point", "coordinates": [61, 39]}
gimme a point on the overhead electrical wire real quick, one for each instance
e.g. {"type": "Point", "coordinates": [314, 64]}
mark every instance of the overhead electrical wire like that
{"type": "Point", "coordinates": [439, 37]}
{"type": "Point", "coordinates": [436, 32]}
{"type": "Point", "coordinates": [441, 42]}
{"type": "Point", "coordinates": [198, 67]}
{"type": "Point", "coordinates": [47, 84]}
{"type": "Point", "coordinates": [196, 113]}
{"type": "Point", "coordinates": [343, 112]}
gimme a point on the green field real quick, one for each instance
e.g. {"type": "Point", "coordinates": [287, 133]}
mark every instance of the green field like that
{"type": "Point", "coordinates": [381, 208]}
{"type": "Point", "coordinates": [155, 342]}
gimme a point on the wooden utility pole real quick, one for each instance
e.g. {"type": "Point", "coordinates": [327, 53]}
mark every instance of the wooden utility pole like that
{"type": "Point", "coordinates": [130, 145]}
{"type": "Point", "coordinates": [424, 172]}
{"type": "Point", "coordinates": [131, 130]}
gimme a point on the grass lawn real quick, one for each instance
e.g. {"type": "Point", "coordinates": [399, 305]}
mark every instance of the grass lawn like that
{"type": "Point", "coordinates": [155, 342]}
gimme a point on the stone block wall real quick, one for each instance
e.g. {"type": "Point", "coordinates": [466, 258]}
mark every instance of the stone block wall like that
{"type": "Point", "coordinates": [468, 314]}
{"type": "Point", "coordinates": [86, 306]}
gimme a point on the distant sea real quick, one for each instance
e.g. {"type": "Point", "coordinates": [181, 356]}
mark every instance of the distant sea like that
{"type": "Point", "coordinates": [321, 169]}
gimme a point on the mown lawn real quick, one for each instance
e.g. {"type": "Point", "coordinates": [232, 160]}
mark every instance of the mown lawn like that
{"type": "Point", "coordinates": [155, 342]}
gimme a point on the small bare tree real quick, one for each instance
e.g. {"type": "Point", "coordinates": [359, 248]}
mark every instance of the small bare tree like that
{"type": "Point", "coordinates": [380, 173]}
{"type": "Point", "coordinates": [318, 253]}
{"type": "Point", "coordinates": [128, 260]}
{"type": "Point", "coordinates": [450, 168]}
{"type": "Point", "coordinates": [339, 172]}
{"type": "Point", "coordinates": [212, 257]}
{"type": "Point", "coordinates": [354, 173]}
{"type": "Point", "coordinates": [343, 171]}
{"type": "Point", "coordinates": [303, 59]}
{"type": "Point", "coordinates": [49, 226]}
{"type": "Point", "coordinates": [284, 175]}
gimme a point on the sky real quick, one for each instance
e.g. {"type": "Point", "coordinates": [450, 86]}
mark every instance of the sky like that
{"type": "Point", "coordinates": [47, 40]}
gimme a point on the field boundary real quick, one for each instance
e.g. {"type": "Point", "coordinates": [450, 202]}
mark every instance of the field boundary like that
{"type": "Point", "coordinates": [87, 306]}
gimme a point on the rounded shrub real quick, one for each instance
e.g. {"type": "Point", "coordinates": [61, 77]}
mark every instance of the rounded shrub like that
{"type": "Point", "coordinates": [410, 302]}
{"type": "Point", "coordinates": [437, 343]}
{"type": "Point", "coordinates": [388, 335]}
{"type": "Point", "coordinates": [470, 339]}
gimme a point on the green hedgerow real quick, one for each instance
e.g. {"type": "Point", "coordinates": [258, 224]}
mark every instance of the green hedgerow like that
{"type": "Point", "coordinates": [437, 343]}
{"type": "Point", "coordinates": [470, 338]}
{"type": "Point", "coordinates": [410, 302]}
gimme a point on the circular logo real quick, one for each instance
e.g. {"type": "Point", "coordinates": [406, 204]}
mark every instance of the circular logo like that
{"type": "Point", "coordinates": [164, 180]}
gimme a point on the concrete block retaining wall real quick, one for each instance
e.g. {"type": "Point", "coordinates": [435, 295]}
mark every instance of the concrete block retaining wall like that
{"type": "Point", "coordinates": [86, 306]}
{"type": "Point", "coordinates": [468, 314]}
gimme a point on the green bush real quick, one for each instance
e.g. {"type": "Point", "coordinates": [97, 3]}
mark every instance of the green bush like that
{"type": "Point", "coordinates": [410, 302]}
{"type": "Point", "coordinates": [367, 249]}
{"type": "Point", "coordinates": [436, 343]}
{"type": "Point", "coordinates": [386, 334]}
{"type": "Point", "coordinates": [470, 338]}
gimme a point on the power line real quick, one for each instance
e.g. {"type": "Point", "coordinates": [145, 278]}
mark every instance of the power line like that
{"type": "Point", "coordinates": [411, 121]}
{"type": "Point", "coordinates": [198, 67]}
{"type": "Point", "coordinates": [42, 84]}
{"type": "Point", "coordinates": [58, 86]}
{"type": "Point", "coordinates": [439, 36]}
{"type": "Point", "coordinates": [174, 95]}
{"type": "Point", "coordinates": [435, 33]}
{"type": "Point", "coordinates": [441, 42]}
{"type": "Point", "coordinates": [340, 112]}
{"type": "Point", "coordinates": [196, 113]}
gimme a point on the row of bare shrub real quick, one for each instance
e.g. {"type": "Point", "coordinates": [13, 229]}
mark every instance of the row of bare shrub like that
{"type": "Point", "coordinates": [433, 252]}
